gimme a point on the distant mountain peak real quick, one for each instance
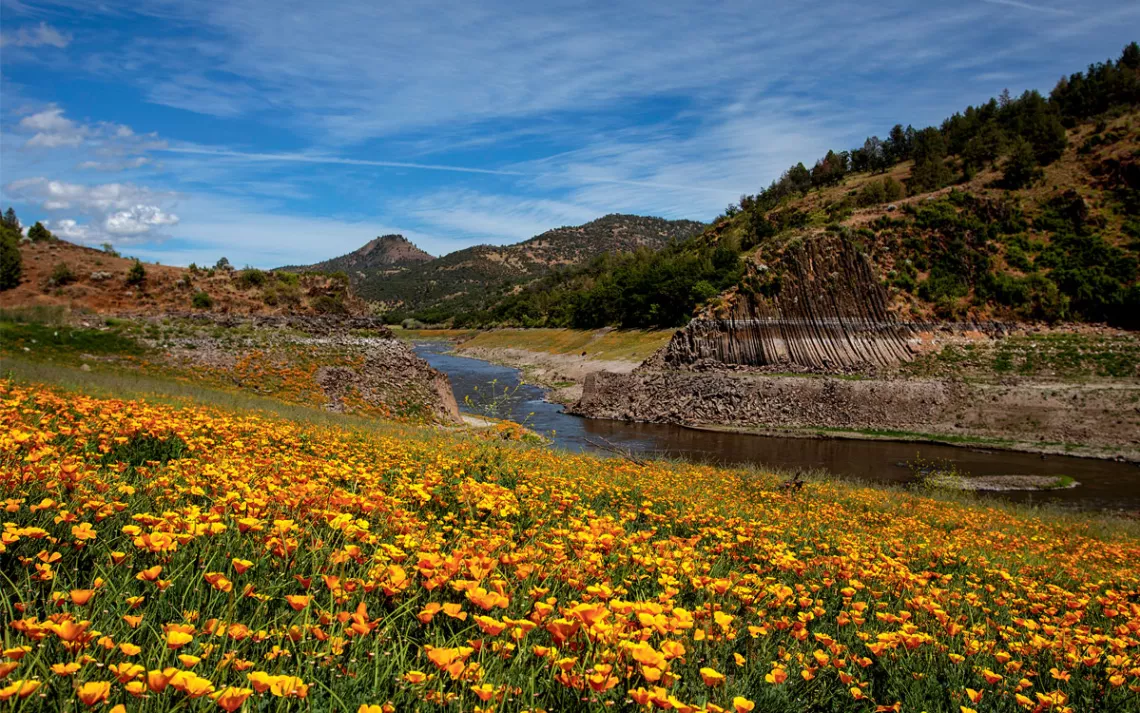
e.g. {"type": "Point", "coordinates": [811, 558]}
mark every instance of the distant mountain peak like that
{"type": "Point", "coordinates": [384, 254]}
{"type": "Point", "coordinates": [393, 248]}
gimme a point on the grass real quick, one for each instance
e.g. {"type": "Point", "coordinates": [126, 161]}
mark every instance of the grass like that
{"type": "Point", "coordinates": [40, 339]}
{"type": "Point", "coordinates": [1059, 355]}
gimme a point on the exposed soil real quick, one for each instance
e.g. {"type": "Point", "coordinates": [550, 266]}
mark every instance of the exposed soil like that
{"type": "Point", "coordinates": [1023, 415]}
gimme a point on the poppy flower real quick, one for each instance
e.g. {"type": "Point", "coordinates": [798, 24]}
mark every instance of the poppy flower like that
{"type": "Point", "coordinates": [93, 692]}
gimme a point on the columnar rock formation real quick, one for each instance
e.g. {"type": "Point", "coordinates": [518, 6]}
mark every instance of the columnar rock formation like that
{"type": "Point", "coordinates": [821, 308]}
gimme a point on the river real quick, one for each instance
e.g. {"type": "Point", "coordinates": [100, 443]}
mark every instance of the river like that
{"type": "Point", "coordinates": [1103, 484]}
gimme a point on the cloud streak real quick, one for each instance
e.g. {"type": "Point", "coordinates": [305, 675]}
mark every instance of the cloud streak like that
{"type": "Point", "coordinates": [39, 36]}
{"type": "Point", "coordinates": [1032, 8]}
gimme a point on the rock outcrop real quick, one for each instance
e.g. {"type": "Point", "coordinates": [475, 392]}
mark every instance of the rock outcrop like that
{"type": "Point", "coordinates": [389, 375]}
{"type": "Point", "coordinates": [819, 308]}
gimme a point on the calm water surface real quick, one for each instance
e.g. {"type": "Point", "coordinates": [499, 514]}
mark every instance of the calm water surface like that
{"type": "Point", "coordinates": [1103, 484]}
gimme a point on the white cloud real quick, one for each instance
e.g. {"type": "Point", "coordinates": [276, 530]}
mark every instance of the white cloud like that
{"type": "Point", "coordinates": [71, 230]}
{"type": "Point", "coordinates": [137, 220]}
{"type": "Point", "coordinates": [248, 233]}
{"type": "Point", "coordinates": [113, 166]}
{"type": "Point", "coordinates": [43, 35]}
{"type": "Point", "coordinates": [98, 198]}
{"type": "Point", "coordinates": [52, 129]}
{"type": "Point", "coordinates": [1032, 8]}
{"type": "Point", "coordinates": [114, 209]}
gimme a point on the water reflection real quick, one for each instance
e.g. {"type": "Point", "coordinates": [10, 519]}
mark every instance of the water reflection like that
{"type": "Point", "coordinates": [1104, 484]}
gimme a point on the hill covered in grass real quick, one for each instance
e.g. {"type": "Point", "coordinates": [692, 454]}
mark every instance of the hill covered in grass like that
{"type": "Point", "coordinates": [1021, 208]}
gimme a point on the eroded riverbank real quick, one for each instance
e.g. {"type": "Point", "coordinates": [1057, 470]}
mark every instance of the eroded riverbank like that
{"type": "Point", "coordinates": [1090, 420]}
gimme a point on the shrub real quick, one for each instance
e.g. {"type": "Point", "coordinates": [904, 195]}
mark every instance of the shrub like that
{"type": "Point", "coordinates": [39, 234]}
{"type": "Point", "coordinates": [136, 276]}
{"type": "Point", "coordinates": [61, 275]}
{"type": "Point", "coordinates": [202, 300]}
{"type": "Point", "coordinates": [251, 277]}
{"type": "Point", "coordinates": [328, 304]}
{"type": "Point", "coordinates": [287, 278]}
{"type": "Point", "coordinates": [878, 192]}
{"type": "Point", "coordinates": [110, 250]}
{"type": "Point", "coordinates": [281, 295]}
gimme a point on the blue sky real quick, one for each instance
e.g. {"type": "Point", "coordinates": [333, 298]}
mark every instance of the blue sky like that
{"type": "Point", "coordinates": [276, 131]}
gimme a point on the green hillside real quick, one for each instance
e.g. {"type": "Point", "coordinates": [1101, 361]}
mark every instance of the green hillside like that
{"type": "Point", "coordinates": [1023, 208]}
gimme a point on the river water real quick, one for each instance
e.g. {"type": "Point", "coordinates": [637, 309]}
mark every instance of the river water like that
{"type": "Point", "coordinates": [1103, 484]}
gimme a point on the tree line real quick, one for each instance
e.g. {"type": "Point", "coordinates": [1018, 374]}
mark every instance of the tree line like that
{"type": "Point", "coordinates": [1027, 131]}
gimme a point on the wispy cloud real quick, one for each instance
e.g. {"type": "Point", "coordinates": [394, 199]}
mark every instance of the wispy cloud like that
{"type": "Point", "coordinates": [333, 160]}
{"type": "Point", "coordinates": [1032, 8]}
{"type": "Point", "coordinates": [39, 36]}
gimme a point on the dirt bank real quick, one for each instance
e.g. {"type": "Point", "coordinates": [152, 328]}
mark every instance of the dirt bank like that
{"type": "Point", "coordinates": [1023, 415]}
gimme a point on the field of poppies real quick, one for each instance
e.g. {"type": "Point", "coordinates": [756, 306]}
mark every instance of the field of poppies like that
{"type": "Point", "coordinates": [157, 558]}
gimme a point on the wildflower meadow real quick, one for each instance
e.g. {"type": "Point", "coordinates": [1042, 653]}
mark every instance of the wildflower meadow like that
{"type": "Point", "coordinates": [156, 558]}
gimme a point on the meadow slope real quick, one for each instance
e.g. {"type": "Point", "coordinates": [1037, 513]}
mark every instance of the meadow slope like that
{"type": "Point", "coordinates": [160, 558]}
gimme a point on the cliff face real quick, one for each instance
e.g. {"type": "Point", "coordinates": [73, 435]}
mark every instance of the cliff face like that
{"type": "Point", "coordinates": [820, 307]}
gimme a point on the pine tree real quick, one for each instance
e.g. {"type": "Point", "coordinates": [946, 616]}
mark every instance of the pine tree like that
{"type": "Point", "coordinates": [10, 220]}
{"type": "Point", "coordinates": [11, 262]}
{"type": "Point", "coordinates": [930, 171]}
{"type": "Point", "coordinates": [1020, 169]}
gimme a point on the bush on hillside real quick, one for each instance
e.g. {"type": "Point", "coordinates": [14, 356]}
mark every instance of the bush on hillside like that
{"type": "Point", "coordinates": [201, 300]}
{"type": "Point", "coordinates": [61, 275]}
{"type": "Point", "coordinates": [878, 192]}
{"type": "Point", "coordinates": [1020, 169]}
{"type": "Point", "coordinates": [251, 277]}
{"type": "Point", "coordinates": [136, 276]}
{"type": "Point", "coordinates": [328, 304]}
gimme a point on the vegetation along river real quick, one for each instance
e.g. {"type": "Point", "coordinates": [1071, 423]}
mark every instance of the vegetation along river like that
{"type": "Point", "coordinates": [1102, 484]}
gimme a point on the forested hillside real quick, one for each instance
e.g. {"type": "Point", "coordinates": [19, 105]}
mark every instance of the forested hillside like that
{"type": "Point", "coordinates": [1021, 208]}
{"type": "Point", "coordinates": [470, 279]}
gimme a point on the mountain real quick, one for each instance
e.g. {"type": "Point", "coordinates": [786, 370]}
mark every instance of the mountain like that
{"type": "Point", "coordinates": [1021, 209]}
{"type": "Point", "coordinates": [385, 255]}
{"type": "Point", "coordinates": [466, 279]}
